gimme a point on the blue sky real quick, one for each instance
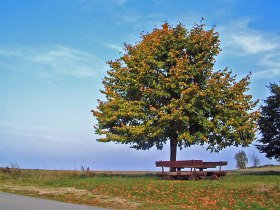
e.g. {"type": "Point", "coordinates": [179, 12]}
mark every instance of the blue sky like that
{"type": "Point", "coordinates": [53, 57]}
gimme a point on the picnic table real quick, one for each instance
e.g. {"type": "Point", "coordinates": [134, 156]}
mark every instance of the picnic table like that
{"type": "Point", "coordinates": [197, 169]}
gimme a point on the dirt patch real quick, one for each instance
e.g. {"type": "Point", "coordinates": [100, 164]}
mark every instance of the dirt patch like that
{"type": "Point", "coordinates": [264, 187]}
{"type": "Point", "coordinates": [72, 195]}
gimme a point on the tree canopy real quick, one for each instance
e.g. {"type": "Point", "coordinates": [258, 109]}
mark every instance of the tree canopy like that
{"type": "Point", "coordinates": [241, 159]}
{"type": "Point", "coordinates": [269, 124]}
{"type": "Point", "coordinates": [164, 88]}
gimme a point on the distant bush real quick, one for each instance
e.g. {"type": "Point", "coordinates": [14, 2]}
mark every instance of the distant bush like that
{"type": "Point", "coordinates": [268, 165]}
{"type": "Point", "coordinates": [12, 169]}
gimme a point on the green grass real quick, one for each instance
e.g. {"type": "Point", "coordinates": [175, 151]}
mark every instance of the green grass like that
{"type": "Point", "coordinates": [238, 190]}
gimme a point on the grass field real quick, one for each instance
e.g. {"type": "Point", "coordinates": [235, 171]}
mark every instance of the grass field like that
{"type": "Point", "coordinates": [249, 189]}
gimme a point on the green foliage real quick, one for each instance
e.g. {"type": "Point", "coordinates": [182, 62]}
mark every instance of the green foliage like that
{"type": "Point", "coordinates": [165, 88]}
{"type": "Point", "coordinates": [269, 124]}
{"type": "Point", "coordinates": [241, 159]}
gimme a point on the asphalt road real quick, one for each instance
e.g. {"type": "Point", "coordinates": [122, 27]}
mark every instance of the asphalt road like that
{"type": "Point", "coordinates": [19, 202]}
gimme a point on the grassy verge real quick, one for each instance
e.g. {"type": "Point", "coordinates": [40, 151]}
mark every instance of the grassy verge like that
{"type": "Point", "coordinates": [236, 191]}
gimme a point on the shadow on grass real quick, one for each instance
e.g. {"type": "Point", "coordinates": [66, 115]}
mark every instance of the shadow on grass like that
{"type": "Point", "coordinates": [265, 173]}
{"type": "Point", "coordinates": [117, 174]}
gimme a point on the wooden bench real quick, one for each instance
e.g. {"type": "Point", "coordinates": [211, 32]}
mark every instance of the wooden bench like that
{"type": "Point", "coordinates": [195, 172]}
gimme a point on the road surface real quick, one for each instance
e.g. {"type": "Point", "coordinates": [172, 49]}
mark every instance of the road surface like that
{"type": "Point", "coordinates": [19, 202]}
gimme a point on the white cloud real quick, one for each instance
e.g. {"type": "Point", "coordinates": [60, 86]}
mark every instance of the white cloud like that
{"type": "Point", "coordinates": [6, 125]}
{"type": "Point", "coordinates": [270, 66]}
{"type": "Point", "coordinates": [45, 137]}
{"type": "Point", "coordinates": [93, 4]}
{"type": "Point", "coordinates": [138, 21]}
{"type": "Point", "coordinates": [253, 44]}
{"type": "Point", "coordinates": [120, 2]}
{"type": "Point", "coordinates": [67, 61]}
{"type": "Point", "coordinates": [114, 47]}
{"type": "Point", "coordinates": [257, 48]}
{"type": "Point", "coordinates": [31, 130]}
{"type": "Point", "coordinates": [51, 61]}
{"type": "Point", "coordinates": [240, 40]}
{"type": "Point", "coordinates": [271, 59]}
{"type": "Point", "coordinates": [270, 73]}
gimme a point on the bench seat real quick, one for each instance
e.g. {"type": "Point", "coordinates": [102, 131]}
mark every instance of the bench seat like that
{"type": "Point", "coordinates": [177, 166]}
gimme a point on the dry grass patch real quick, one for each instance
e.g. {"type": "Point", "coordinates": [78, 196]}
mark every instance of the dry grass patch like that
{"type": "Point", "coordinates": [72, 195]}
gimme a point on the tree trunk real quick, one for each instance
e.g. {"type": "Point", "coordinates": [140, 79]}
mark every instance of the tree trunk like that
{"type": "Point", "coordinates": [173, 150]}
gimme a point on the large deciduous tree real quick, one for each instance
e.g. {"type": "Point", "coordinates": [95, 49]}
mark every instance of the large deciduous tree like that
{"type": "Point", "coordinates": [269, 124]}
{"type": "Point", "coordinates": [164, 89]}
